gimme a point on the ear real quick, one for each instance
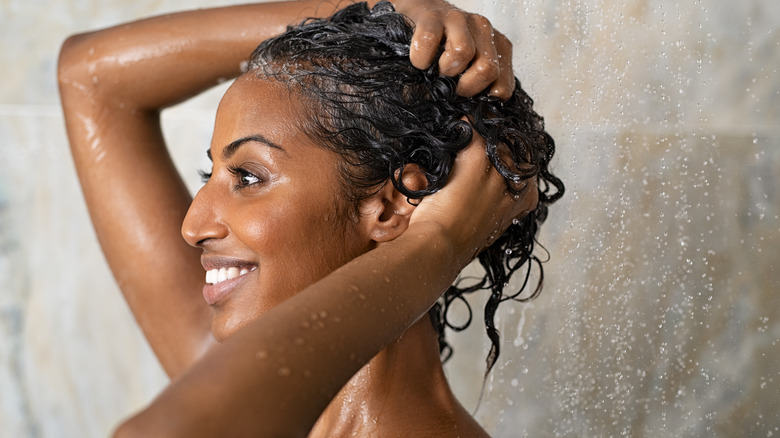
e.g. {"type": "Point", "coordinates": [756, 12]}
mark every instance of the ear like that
{"type": "Point", "coordinates": [385, 215]}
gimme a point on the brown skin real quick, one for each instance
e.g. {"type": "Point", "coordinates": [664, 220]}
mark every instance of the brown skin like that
{"type": "Point", "coordinates": [279, 214]}
{"type": "Point", "coordinates": [138, 202]}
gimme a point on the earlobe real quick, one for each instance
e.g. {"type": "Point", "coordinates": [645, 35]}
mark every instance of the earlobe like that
{"type": "Point", "coordinates": [388, 211]}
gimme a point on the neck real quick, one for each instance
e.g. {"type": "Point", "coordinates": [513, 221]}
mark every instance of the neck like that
{"type": "Point", "coordinates": [404, 380]}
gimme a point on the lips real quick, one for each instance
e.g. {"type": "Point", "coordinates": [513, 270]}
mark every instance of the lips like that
{"type": "Point", "coordinates": [223, 276]}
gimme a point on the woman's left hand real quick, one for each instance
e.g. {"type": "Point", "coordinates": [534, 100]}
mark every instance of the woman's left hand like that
{"type": "Point", "coordinates": [474, 208]}
{"type": "Point", "coordinates": [473, 48]}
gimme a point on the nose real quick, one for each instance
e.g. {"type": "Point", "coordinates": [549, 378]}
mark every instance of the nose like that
{"type": "Point", "coordinates": [203, 219]}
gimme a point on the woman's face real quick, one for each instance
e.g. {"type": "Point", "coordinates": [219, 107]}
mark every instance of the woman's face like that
{"type": "Point", "coordinates": [270, 219]}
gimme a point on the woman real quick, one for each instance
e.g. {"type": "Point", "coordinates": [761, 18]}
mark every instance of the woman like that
{"type": "Point", "coordinates": [315, 259]}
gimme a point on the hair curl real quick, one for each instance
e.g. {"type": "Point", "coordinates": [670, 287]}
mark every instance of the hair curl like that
{"type": "Point", "coordinates": [369, 104]}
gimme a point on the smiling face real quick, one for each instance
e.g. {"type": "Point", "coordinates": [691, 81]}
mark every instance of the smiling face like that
{"type": "Point", "coordinates": [270, 219]}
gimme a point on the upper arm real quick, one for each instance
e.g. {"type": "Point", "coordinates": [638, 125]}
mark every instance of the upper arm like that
{"type": "Point", "coordinates": [137, 202]}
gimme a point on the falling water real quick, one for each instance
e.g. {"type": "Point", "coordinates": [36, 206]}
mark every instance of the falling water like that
{"type": "Point", "coordinates": [660, 310]}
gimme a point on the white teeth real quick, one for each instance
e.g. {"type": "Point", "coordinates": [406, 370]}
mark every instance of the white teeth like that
{"type": "Point", "coordinates": [216, 276]}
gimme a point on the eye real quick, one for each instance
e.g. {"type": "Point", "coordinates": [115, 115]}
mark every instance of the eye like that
{"type": "Point", "coordinates": [244, 178]}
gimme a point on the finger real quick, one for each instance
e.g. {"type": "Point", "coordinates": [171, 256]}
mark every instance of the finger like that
{"type": "Point", "coordinates": [459, 47]}
{"type": "Point", "coordinates": [504, 86]}
{"type": "Point", "coordinates": [529, 200]}
{"type": "Point", "coordinates": [485, 68]}
{"type": "Point", "coordinates": [428, 33]}
{"type": "Point", "coordinates": [471, 160]}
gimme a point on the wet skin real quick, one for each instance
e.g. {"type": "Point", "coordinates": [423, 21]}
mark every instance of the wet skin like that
{"type": "Point", "coordinates": [272, 206]}
{"type": "Point", "coordinates": [113, 126]}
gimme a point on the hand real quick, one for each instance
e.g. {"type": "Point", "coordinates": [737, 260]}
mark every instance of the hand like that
{"type": "Point", "coordinates": [474, 208]}
{"type": "Point", "coordinates": [473, 47]}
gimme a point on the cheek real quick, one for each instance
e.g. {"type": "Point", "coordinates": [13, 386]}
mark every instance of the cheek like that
{"type": "Point", "coordinates": [302, 236]}
{"type": "Point", "coordinates": [322, 242]}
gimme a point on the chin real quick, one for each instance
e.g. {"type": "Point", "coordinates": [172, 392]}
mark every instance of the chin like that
{"type": "Point", "coordinates": [223, 327]}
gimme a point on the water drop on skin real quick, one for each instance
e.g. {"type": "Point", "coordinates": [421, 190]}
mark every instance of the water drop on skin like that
{"type": "Point", "coordinates": [262, 354]}
{"type": "Point", "coordinates": [285, 371]}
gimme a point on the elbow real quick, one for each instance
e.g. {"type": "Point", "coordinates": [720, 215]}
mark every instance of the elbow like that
{"type": "Point", "coordinates": [146, 424]}
{"type": "Point", "coordinates": [130, 428]}
{"type": "Point", "coordinates": [76, 65]}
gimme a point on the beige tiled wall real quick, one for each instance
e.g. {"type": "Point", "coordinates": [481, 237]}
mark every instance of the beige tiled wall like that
{"type": "Point", "coordinates": [659, 315]}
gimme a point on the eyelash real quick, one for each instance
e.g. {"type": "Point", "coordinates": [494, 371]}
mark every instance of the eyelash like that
{"type": "Point", "coordinates": [204, 176]}
{"type": "Point", "coordinates": [239, 173]}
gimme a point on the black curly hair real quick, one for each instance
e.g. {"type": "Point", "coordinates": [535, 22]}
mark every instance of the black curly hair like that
{"type": "Point", "coordinates": [368, 103]}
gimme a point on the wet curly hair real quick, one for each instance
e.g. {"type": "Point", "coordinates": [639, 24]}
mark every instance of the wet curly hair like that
{"type": "Point", "coordinates": [365, 101]}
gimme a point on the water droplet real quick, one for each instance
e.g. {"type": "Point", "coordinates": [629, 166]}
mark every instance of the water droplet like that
{"type": "Point", "coordinates": [285, 371]}
{"type": "Point", "coordinates": [515, 221]}
{"type": "Point", "coordinates": [262, 354]}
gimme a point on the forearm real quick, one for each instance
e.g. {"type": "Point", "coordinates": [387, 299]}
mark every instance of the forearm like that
{"type": "Point", "coordinates": [159, 61]}
{"type": "Point", "coordinates": [113, 82]}
{"type": "Point", "coordinates": [279, 373]}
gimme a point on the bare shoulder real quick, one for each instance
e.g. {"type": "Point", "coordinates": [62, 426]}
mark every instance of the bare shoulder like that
{"type": "Point", "coordinates": [452, 423]}
{"type": "Point", "coordinates": [464, 426]}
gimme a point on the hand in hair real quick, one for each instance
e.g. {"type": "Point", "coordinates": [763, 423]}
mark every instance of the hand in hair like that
{"type": "Point", "coordinates": [475, 207]}
{"type": "Point", "coordinates": [473, 48]}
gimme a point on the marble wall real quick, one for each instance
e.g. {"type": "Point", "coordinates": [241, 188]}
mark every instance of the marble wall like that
{"type": "Point", "coordinates": [660, 311]}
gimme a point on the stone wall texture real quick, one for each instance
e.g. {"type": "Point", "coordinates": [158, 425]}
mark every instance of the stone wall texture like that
{"type": "Point", "coordinates": [660, 314]}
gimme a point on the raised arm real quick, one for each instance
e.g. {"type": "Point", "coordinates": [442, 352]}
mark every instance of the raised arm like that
{"type": "Point", "coordinates": [274, 377]}
{"type": "Point", "coordinates": [115, 82]}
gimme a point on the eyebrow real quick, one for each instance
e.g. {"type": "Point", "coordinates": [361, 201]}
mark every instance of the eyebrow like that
{"type": "Point", "coordinates": [231, 148]}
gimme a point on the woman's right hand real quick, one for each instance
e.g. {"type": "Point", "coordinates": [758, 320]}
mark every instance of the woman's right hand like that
{"type": "Point", "coordinates": [473, 48]}
{"type": "Point", "coordinates": [474, 208]}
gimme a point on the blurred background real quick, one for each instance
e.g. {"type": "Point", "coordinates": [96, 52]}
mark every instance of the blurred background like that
{"type": "Point", "coordinates": [660, 311]}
